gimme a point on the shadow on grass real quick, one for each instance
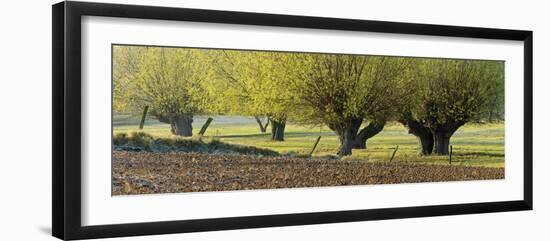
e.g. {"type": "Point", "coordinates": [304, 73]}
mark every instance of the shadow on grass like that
{"type": "Point", "coordinates": [486, 154]}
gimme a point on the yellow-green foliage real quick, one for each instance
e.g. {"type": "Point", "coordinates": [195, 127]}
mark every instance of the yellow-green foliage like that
{"type": "Point", "coordinates": [251, 83]}
{"type": "Point", "coordinates": [447, 91]}
{"type": "Point", "coordinates": [336, 91]}
{"type": "Point", "coordinates": [168, 80]}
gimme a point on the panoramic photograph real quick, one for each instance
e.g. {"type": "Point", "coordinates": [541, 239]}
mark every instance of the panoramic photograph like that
{"type": "Point", "coordinates": [204, 120]}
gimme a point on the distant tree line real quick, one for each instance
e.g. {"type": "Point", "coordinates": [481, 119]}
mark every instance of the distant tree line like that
{"type": "Point", "coordinates": [354, 96]}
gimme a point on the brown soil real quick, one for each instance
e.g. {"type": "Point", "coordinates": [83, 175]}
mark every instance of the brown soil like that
{"type": "Point", "coordinates": [147, 172]}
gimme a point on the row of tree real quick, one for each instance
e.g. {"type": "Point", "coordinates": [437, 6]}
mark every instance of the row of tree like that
{"type": "Point", "coordinates": [354, 96]}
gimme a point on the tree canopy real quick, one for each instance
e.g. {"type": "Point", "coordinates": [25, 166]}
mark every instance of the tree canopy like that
{"type": "Point", "coordinates": [253, 83]}
{"type": "Point", "coordinates": [168, 80]}
{"type": "Point", "coordinates": [449, 93]}
{"type": "Point", "coordinates": [352, 95]}
{"type": "Point", "coordinates": [341, 91]}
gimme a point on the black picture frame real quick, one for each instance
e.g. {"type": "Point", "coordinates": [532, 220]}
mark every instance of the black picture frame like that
{"type": "Point", "coordinates": [66, 75]}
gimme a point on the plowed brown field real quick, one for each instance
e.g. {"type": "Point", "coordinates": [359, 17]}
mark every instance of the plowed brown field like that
{"type": "Point", "coordinates": [147, 172]}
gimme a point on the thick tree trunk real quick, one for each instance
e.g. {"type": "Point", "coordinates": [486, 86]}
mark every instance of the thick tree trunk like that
{"type": "Point", "coordinates": [442, 140]}
{"type": "Point", "coordinates": [263, 128]}
{"type": "Point", "coordinates": [372, 129]}
{"type": "Point", "coordinates": [180, 124]}
{"type": "Point", "coordinates": [426, 143]}
{"type": "Point", "coordinates": [278, 130]}
{"type": "Point", "coordinates": [346, 143]}
{"type": "Point", "coordinates": [442, 136]}
{"type": "Point", "coordinates": [423, 134]}
{"type": "Point", "coordinates": [347, 132]}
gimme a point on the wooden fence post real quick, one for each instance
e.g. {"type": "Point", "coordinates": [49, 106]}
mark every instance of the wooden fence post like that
{"type": "Point", "coordinates": [450, 154]}
{"type": "Point", "coordinates": [394, 151]}
{"type": "Point", "coordinates": [315, 145]}
{"type": "Point", "coordinates": [142, 122]}
{"type": "Point", "coordinates": [205, 126]}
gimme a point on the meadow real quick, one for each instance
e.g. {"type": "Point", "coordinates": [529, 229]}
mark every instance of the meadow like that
{"type": "Point", "coordinates": [474, 144]}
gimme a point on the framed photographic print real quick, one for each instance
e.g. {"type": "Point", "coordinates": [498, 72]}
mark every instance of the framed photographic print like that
{"type": "Point", "coordinates": [171, 120]}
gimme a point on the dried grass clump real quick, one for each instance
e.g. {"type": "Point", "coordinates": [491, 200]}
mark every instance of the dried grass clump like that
{"type": "Point", "coordinates": [140, 141]}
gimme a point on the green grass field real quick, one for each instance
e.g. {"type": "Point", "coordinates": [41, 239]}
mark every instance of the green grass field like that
{"type": "Point", "coordinates": [473, 144]}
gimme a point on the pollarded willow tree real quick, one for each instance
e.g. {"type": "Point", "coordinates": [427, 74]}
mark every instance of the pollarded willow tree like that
{"type": "Point", "coordinates": [447, 95]}
{"type": "Point", "coordinates": [168, 80]}
{"type": "Point", "coordinates": [343, 91]}
{"type": "Point", "coordinates": [252, 83]}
